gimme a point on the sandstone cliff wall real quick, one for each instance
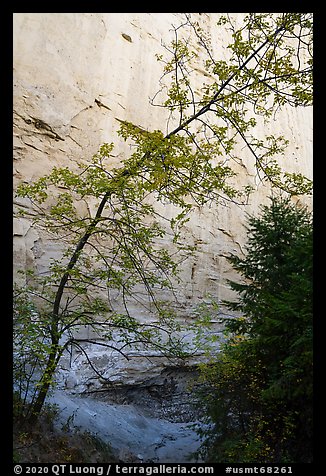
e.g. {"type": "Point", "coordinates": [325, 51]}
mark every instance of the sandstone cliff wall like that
{"type": "Point", "coordinates": [75, 76]}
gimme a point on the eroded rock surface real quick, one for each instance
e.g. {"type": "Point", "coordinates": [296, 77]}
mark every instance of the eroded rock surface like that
{"type": "Point", "coordinates": [153, 422]}
{"type": "Point", "coordinates": [76, 76]}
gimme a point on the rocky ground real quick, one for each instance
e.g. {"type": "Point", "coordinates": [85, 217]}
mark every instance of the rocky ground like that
{"type": "Point", "coordinates": [148, 423]}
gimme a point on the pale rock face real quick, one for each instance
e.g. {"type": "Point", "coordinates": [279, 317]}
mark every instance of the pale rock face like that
{"type": "Point", "coordinates": [75, 76]}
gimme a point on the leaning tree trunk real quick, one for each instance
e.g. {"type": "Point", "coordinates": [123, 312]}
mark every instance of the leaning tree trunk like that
{"type": "Point", "coordinates": [55, 349]}
{"type": "Point", "coordinates": [45, 382]}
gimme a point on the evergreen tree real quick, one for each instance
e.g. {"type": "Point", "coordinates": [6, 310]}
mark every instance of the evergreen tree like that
{"type": "Point", "coordinates": [260, 397]}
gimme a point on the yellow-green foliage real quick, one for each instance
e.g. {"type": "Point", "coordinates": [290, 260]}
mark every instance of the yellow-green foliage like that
{"type": "Point", "coordinates": [114, 246]}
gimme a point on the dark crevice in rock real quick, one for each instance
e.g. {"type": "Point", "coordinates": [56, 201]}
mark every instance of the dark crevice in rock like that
{"type": "Point", "coordinates": [170, 396]}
